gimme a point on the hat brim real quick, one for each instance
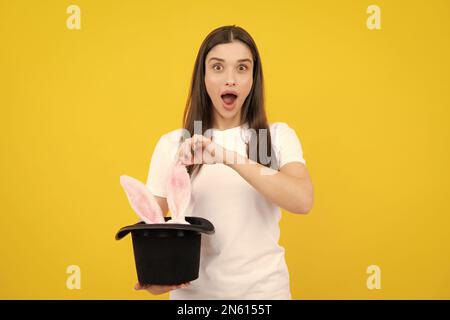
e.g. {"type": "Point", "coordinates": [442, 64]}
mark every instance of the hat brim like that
{"type": "Point", "coordinates": [196, 224]}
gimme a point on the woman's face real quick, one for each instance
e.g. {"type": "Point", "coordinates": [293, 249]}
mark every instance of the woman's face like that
{"type": "Point", "coordinates": [228, 67]}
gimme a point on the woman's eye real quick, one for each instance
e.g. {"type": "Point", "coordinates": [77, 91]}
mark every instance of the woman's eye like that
{"type": "Point", "coordinates": [242, 67]}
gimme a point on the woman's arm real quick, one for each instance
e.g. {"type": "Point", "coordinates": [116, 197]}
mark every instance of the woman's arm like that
{"type": "Point", "coordinates": [290, 188]}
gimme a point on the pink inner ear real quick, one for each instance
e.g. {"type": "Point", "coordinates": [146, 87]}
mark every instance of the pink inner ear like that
{"type": "Point", "coordinates": [178, 191]}
{"type": "Point", "coordinates": [142, 200]}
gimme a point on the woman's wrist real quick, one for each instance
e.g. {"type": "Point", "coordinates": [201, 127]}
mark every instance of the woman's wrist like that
{"type": "Point", "coordinates": [234, 159]}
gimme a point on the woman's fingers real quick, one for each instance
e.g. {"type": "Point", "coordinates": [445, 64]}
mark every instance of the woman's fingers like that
{"type": "Point", "coordinates": [200, 149]}
{"type": "Point", "coordinates": [160, 289]}
{"type": "Point", "coordinates": [139, 286]}
{"type": "Point", "coordinates": [196, 150]}
{"type": "Point", "coordinates": [193, 150]}
{"type": "Point", "coordinates": [184, 152]}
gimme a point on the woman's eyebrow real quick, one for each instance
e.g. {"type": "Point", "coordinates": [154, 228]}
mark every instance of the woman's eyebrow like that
{"type": "Point", "coordinates": [240, 60]}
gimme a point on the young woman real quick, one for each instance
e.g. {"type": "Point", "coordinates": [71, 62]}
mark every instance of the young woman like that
{"type": "Point", "coordinates": [242, 170]}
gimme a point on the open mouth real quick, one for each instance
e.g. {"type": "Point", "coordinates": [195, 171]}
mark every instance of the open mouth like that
{"type": "Point", "coordinates": [228, 98]}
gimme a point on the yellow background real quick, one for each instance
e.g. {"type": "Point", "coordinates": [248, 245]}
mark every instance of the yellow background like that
{"type": "Point", "coordinates": [371, 107]}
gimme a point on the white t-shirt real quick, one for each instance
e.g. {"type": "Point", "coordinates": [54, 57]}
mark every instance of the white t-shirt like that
{"type": "Point", "coordinates": [242, 259]}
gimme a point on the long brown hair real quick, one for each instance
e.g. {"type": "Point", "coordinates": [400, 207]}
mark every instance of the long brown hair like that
{"type": "Point", "coordinates": [199, 105]}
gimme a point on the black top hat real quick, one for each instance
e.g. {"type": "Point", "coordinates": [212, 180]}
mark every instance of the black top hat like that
{"type": "Point", "coordinates": [167, 253]}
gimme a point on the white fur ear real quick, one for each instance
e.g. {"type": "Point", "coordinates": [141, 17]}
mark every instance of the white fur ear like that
{"type": "Point", "coordinates": [142, 200]}
{"type": "Point", "coordinates": [178, 193]}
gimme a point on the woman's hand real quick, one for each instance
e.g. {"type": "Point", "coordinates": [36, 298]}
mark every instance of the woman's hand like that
{"type": "Point", "coordinates": [157, 289]}
{"type": "Point", "coordinates": [201, 150]}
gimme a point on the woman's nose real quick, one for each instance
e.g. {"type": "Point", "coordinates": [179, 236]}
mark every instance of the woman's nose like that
{"type": "Point", "coordinates": [231, 79]}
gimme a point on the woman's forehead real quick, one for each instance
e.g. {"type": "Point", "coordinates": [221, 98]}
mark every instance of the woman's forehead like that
{"type": "Point", "coordinates": [230, 52]}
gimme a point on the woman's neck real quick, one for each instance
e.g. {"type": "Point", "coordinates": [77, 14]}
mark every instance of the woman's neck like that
{"type": "Point", "coordinates": [225, 125]}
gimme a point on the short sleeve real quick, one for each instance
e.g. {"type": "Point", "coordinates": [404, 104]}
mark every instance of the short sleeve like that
{"type": "Point", "coordinates": [289, 145]}
{"type": "Point", "coordinates": [159, 167]}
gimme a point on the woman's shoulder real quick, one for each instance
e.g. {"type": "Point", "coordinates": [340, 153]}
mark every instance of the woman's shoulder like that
{"type": "Point", "coordinates": [278, 127]}
{"type": "Point", "coordinates": [173, 136]}
{"type": "Point", "coordinates": [282, 132]}
{"type": "Point", "coordinates": [168, 143]}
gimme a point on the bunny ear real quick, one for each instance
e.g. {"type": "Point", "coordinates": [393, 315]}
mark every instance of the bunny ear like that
{"type": "Point", "coordinates": [141, 200]}
{"type": "Point", "coordinates": [178, 192]}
